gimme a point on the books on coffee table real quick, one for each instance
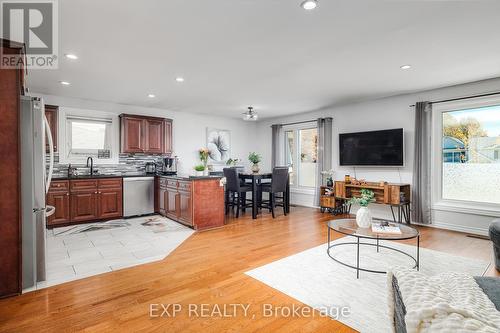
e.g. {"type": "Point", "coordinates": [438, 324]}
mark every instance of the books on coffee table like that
{"type": "Point", "coordinates": [386, 228]}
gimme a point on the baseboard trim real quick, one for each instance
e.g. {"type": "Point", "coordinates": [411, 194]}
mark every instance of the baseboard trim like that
{"type": "Point", "coordinates": [454, 227]}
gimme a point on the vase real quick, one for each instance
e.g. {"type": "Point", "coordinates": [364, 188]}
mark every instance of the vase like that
{"type": "Point", "coordinates": [329, 183]}
{"type": "Point", "coordinates": [364, 217]}
{"type": "Point", "coordinates": [255, 168]}
{"type": "Point", "coordinates": [199, 173]}
{"type": "Point", "coordinates": [205, 172]}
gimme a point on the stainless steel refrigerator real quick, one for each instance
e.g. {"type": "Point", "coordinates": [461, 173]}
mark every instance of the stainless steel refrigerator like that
{"type": "Point", "coordinates": [35, 181]}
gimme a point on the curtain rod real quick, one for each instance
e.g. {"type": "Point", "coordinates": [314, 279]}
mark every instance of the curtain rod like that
{"type": "Point", "coordinates": [460, 98]}
{"type": "Point", "coordinates": [297, 122]}
{"type": "Point", "coordinates": [302, 122]}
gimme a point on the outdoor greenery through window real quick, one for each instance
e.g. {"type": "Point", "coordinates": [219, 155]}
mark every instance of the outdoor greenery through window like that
{"type": "Point", "coordinates": [471, 155]}
{"type": "Point", "coordinates": [301, 153]}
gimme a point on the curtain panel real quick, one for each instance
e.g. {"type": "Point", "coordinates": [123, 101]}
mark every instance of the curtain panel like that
{"type": "Point", "coordinates": [324, 160]}
{"type": "Point", "coordinates": [277, 145]}
{"type": "Point", "coordinates": [421, 185]}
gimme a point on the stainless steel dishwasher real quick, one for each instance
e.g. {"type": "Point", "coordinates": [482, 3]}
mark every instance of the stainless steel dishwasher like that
{"type": "Point", "coordinates": [138, 196]}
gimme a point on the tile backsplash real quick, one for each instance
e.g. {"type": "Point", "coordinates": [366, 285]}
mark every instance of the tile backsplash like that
{"type": "Point", "coordinates": [127, 163]}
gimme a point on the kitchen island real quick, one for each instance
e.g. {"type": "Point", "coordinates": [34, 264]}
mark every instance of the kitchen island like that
{"type": "Point", "coordinates": [197, 202]}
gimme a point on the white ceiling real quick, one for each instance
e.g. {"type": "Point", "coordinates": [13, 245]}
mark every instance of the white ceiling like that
{"type": "Point", "coordinates": [271, 54]}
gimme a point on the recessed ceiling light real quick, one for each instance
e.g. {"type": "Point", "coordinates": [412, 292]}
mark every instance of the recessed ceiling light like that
{"type": "Point", "coordinates": [151, 95]}
{"type": "Point", "coordinates": [64, 83]}
{"type": "Point", "coordinates": [309, 4]}
{"type": "Point", "coordinates": [71, 56]}
{"type": "Point", "coordinates": [179, 79]}
{"type": "Point", "coordinates": [405, 67]}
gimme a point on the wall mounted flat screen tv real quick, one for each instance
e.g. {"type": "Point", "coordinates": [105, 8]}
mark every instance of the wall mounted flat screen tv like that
{"type": "Point", "coordinates": [375, 148]}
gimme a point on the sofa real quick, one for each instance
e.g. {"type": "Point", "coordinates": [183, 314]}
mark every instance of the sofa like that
{"type": "Point", "coordinates": [448, 302]}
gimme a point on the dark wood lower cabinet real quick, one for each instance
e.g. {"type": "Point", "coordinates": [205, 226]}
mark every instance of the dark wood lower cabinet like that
{"type": "Point", "coordinates": [85, 200]}
{"type": "Point", "coordinates": [185, 207]}
{"type": "Point", "coordinates": [60, 200]}
{"type": "Point", "coordinates": [110, 204]}
{"type": "Point", "coordinates": [171, 203]}
{"type": "Point", "coordinates": [84, 206]}
{"type": "Point", "coordinates": [198, 203]}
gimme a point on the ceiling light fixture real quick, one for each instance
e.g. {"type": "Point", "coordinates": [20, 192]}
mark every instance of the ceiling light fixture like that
{"type": "Point", "coordinates": [309, 4]}
{"type": "Point", "coordinates": [250, 115]}
{"type": "Point", "coordinates": [179, 79]}
{"type": "Point", "coordinates": [71, 56]}
{"type": "Point", "coordinates": [405, 67]}
{"type": "Point", "coordinates": [151, 95]}
{"type": "Point", "coordinates": [64, 83]}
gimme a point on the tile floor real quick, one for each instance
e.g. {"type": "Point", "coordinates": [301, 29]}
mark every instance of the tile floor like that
{"type": "Point", "coordinates": [72, 256]}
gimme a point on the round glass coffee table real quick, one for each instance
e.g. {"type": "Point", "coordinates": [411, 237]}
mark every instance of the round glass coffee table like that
{"type": "Point", "coordinates": [349, 227]}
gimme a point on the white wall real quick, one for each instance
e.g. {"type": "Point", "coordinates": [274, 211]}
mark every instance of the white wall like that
{"type": "Point", "coordinates": [391, 112]}
{"type": "Point", "coordinates": [189, 130]}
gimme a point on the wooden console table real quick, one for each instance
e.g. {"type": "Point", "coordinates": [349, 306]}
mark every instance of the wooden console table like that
{"type": "Point", "coordinates": [393, 194]}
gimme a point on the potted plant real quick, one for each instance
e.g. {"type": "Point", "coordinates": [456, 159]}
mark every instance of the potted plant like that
{"type": "Point", "coordinates": [363, 215]}
{"type": "Point", "coordinates": [204, 153]}
{"type": "Point", "coordinates": [329, 177]}
{"type": "Point", "coordinates": [199, 169]}
{"type": "Point", "coordinates": [255, 159]}
{"type": "Point", "coordinates": [232, 161]}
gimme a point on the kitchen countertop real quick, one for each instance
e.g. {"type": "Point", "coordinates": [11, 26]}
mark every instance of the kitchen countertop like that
{"type": "Point", "coordinates": [115, 175]}
{"type": "Point", "coordinates": [178, 177]}
{"type": "Point", "coordinates": [189, 177]}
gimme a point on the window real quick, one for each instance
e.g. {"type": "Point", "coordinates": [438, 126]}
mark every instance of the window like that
{"type": "Point", "coordinates": [467, 166]}
{"type": "Point", "coordinates": [89, 137]}
{"type": "Point", "coordinates": [88, 134]}
{"type": "Point", "coordinates": [301, 153]}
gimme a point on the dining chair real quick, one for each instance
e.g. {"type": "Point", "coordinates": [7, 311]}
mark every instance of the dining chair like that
{"type": "Point", "coordinates": [237, 191]}
{"type": "Point", "coordinates": [278, 185]}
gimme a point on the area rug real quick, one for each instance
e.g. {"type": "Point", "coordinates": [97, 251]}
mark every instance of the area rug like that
{"type": "Point", "coordinates": [313, 278]}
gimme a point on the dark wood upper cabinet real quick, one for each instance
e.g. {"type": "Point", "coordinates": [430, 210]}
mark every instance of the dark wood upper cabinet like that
{"type": "Point", "coordinates": [51, 112]}
{"type": "Point", "coordinates": [168, 136]}
{"type": "Point", "coordinates": [155, 136]}
{"type": "Point", "coordinates": [140, 134]}
{"type": "Point", "coordinates": [132, 135]}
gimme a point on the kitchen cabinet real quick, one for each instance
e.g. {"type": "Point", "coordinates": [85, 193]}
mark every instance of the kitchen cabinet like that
{"type": "Point", "coordinates": [185, 207]}
{"type": "Point", "coordinates": [198, 203]}
{"type": "Point", "coordinates": [150, 135]}
{"type": "Point", "coordinates": [85, 200]}
{"type": "Point", "coordinates": [51, 113]}
{"type": "Point", "coordinates": [110, 198]}
{"type": "Point", "coordinates": [155, 136]}
{"type": "Point", "coordinates": [58, 196]}
{"type": "Point", "coordinates": [84, 206]}
{"type": "Point", "coordinates": [160, 195]}
{"type": "Point", "coordinates": [132, 135]}
{"type": "Point", "coordinates": [172, 204]}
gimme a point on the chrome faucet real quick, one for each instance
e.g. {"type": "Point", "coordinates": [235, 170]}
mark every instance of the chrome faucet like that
{"type": "Point", "coordinates": [91, 164]}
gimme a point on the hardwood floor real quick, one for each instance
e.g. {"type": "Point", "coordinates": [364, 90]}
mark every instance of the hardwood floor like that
{"type": "Point", "coordinates": [206, 269]}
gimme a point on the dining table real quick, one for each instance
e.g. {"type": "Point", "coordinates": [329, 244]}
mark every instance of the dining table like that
{"type": "Point", "coordinates": [256, 180]}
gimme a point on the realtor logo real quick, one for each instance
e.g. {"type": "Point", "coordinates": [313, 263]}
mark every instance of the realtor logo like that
{"type": "Point", "coordinates": [33, 23]}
